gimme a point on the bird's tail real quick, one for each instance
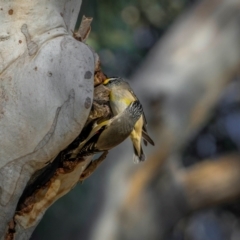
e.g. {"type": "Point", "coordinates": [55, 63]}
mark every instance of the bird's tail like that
{"type": "Point", "coordinates": [138, 157]}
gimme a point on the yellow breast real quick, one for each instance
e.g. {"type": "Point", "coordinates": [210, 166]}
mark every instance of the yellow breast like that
{"type": "Point", "coordinates": [119, 101]}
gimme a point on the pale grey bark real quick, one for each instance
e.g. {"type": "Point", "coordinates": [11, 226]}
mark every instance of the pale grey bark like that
{"type": "Point", "coordinates": [46, 90]}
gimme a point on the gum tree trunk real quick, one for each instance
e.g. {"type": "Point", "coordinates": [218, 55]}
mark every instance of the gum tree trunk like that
{"type": "Point", "coordinates": [46, 91]}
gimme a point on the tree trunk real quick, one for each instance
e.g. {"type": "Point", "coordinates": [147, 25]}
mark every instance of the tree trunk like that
{"type": "Point", "coordinates": [46, 91]}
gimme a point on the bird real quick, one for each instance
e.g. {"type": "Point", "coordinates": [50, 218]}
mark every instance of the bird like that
{"type": "Point", "coordinates": [121, 96]}
{"type": "Point", "coordinates": [109, 133]}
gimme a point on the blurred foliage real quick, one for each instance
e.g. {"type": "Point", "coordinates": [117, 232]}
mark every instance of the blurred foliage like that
{"type": "Point", "coordinates": [124, 31]}
{"type": "Point", "coordinates": [221, 135]}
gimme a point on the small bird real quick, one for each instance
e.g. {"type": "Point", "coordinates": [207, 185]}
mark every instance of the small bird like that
{"type": "Point", "coordinates": [111, 132]}
{"type": "Point", "coordinates": [121, 96]}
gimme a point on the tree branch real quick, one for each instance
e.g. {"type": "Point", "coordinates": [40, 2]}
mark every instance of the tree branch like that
{"type": "Point", "coordinates": [212, 182]}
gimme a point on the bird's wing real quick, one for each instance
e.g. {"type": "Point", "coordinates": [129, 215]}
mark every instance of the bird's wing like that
{"type": "Point", "coordinates": [147, 138]}
{"type": "Point", "coordinates": [136, 98]}
{"type": "Point", "coordinates": [94, 131]}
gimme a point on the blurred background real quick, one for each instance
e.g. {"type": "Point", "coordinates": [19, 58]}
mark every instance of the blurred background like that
{"type": "Point", "coordinates": [123, 32]}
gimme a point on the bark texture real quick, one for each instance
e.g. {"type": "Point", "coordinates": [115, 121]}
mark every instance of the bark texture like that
{"type": "Point", "coordinates": [46, 92]}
